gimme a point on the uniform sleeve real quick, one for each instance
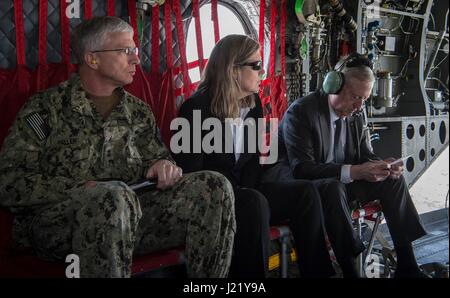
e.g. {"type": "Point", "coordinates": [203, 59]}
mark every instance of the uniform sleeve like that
{"type": "Point", "coordinates": [150, 144]}
{"type": "Point", "coordinates": [23, 186]}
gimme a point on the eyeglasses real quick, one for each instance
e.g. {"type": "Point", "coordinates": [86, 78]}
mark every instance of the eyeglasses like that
{"type": "Point", "coordinates": [127, 51]}
{"type": "Point", "coordinates": [257, 65]}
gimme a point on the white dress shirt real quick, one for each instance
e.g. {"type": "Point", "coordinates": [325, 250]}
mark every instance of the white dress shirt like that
{"type": "Point", "coordinates": [238, 133]}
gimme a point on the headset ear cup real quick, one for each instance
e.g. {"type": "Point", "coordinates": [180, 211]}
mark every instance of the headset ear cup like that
{"type": "Point", "coordinates": [333, 82]}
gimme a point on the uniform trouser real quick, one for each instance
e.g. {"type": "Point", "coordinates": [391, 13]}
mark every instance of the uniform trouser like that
{"type": "Point", "coordinates": [106, 224]}
{"type": "Point", "coordinates": [401, 215]}
{"type": "Point", "coordinates": [297, 203]}
{"type": "Point", "coordinates": [252, 240]}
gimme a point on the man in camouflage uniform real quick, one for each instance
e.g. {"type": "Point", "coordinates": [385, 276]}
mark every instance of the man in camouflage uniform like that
{"type": "Point", "coordinates": [71, 153]}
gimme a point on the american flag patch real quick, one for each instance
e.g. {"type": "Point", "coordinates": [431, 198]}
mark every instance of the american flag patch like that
{"type": "Point", "coordinates": [38, 125]}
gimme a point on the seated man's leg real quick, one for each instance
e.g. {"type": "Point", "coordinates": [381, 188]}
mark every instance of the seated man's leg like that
{"type": "Point", "coordinates": [400, 213]}
{"type": "Point", "coordinates": [339, 225]}
{"type": "Point", "coordinates": [398, 208]}
{"type": "Point", "coordinates": [197, 212]}
{"type": "Point", "coordinates": [298, 202]}
{"type": "Point", "coordinates": [96, 223]}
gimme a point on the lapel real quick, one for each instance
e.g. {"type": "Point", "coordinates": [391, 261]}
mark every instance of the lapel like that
{"type": "Point", "coordinates": [225, 159]}
{"type": "Point", "coordinates": [324, 124]}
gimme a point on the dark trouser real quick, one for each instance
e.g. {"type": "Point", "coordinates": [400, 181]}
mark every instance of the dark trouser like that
{"type": "Point", "coordinates": [401, 215]}
{"type": "Point", "coordinates": [297, 203]}
{"type": "Point", "coordinates": [252, 240]}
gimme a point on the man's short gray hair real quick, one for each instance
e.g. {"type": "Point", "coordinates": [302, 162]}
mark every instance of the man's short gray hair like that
{"type": "Point", "coordinates": [90, 35]}
{"type": "Point", "coordinates": [361, 73]}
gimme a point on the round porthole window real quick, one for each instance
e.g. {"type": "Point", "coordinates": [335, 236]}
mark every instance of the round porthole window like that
{"type": "Point", "coordinates": [410, 131]}
{"type": "Point", "coordinates": [442, 132]}
{"type": "Point", "coordinates": [410, 164]}
{"type": "Point", "coordinates": [422, 155]}
{"type": "Point", "coordinates": [422, 130]}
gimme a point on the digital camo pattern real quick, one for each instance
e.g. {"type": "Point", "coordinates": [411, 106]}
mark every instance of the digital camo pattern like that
{"type": "Point", "coordinates": [42, 181]}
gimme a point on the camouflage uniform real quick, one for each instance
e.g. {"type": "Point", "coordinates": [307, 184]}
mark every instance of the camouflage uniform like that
{"type": "Point", "coordinates": [59, 141]}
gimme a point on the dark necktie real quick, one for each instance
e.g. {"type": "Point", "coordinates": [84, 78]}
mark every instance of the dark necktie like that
{"type": "Point", "coordinates": [339, 155]}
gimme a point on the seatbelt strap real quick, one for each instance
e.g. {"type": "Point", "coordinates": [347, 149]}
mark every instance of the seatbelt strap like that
{"type": "Point", "coordinates": [20, 33]}
{"type": "Point", "coordinates": [168, 29]}
{"type": "Point", "coordinates": [133, 20]}
{"type": "Point", "coordinates": [262, 13]}
{"type": "Point", "coordinates": [42, 77]}
{"type": "Point", "coordinates": [43, 8]}
{"type": "Point", "coordinates": [87, 9]}
{"type": "Point", "coordinates": [65, 33]}
{"type": "Point", "coordinates": [283, 40]}
{"type": "Point", "coordinates": [182, 48]}
{"type": "Point", "coordinates": [155, 39]}
{"type": "Point", "coordinates": [110, 8]}
{"type": "Point", "coordinates": [215, 19]}
{"type": "Point", "coordinates": [198, 34]}
{"type": "Point", "coordinates": [273, 28]}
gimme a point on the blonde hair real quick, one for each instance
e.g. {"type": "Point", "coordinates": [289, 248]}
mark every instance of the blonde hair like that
{"type": "Point", "coordinates": [218, 78]}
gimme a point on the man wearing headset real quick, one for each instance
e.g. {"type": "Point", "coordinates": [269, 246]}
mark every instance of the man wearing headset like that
{"type": "Point", "coordinates": [321, 138]}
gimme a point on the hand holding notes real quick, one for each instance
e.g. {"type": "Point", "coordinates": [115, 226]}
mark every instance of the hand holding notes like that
{"type": "Point", "coordinates": [378, 170]}
{"type": "Point", "coordinates": [396, 166]}
{"type": "Point", "coordinates": [400, 160]}
{"type": "Point", "coordinates": [144, 185]}
{"type": "Point", "coordinates": [372, 171]}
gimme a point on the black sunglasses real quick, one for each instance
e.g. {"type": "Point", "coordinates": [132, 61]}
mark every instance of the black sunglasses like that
{"type": "Point", "coordinates": [257, 65]}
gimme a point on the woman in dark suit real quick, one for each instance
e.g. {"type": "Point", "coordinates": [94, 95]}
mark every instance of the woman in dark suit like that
{"type": "Point", "coordinates": [227, 97]}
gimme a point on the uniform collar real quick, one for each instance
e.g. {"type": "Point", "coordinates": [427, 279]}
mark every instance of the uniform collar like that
{"type": "Point", "coordinates": [122, 110]}
{"type": "Point", "coordinates": [81, 103]}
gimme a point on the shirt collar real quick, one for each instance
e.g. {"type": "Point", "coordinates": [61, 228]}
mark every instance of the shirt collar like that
{"type": "Point", "coordinates": [333, 115]}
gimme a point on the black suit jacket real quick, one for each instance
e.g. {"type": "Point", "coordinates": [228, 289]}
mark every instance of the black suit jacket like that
{"type": "Point", "coordinates": [244, 172]}
{"type": "Point", "coordinates": [304, 139]}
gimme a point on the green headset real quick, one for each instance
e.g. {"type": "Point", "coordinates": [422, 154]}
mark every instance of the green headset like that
{"type": "Point", "coordinates": [335, 80]}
